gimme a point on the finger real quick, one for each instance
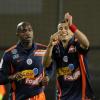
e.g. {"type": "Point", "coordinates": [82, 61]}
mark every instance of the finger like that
{"type": "Point", "coordinates": [66, 16]}
{"type": "Point", "coordinates": [10, 77]}
{"type": "Point", "coordinates": [69, 17]}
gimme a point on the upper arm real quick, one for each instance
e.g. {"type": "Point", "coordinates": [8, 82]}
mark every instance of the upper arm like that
{"type": "Point", "coordinates": [4, 71]}
{"type": "Point", "coordinates": [82, 49]}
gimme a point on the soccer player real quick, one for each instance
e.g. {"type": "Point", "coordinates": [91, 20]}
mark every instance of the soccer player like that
{"type": "Point", "coordinates": [68, 49]}
{"type": "Point", "coordinates": [21, 66]}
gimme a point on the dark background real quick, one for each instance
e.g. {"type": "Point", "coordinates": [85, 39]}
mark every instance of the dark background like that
{"type": "Point", "coordinates": [44, 16]}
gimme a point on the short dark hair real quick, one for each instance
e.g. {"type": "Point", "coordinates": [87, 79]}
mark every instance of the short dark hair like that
{"type": "Point", "coordinates": [21, 26]}
{"type": "Point", "coordinates": [62, 21]}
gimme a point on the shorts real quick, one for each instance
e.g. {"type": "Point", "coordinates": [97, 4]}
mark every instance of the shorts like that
{"type": "Point", "coordinates": [40, 96]}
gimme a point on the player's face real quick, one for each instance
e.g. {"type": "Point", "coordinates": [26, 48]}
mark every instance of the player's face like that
{"type": "Point", "coordinates": [64, 32]}
{"type": "Point", "coordinates": [26, 34]}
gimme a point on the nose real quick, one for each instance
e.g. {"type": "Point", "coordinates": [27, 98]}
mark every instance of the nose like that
{"type": "Point", "coordinates": [26, 33]}
{"type": "Point", "coordinates": [64, 31]}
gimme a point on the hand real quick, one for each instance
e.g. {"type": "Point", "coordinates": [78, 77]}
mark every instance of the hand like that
{"type": "Point", "coordinates": [68, 18]}
{"type": "Point", "coordinates": [54, 39]}
{"type": "Point", "coordinates": [45, 81]}
{"type": "Point", "coordinates": [17, 76]}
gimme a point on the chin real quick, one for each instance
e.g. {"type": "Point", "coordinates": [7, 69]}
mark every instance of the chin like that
{"type": "Point", "coordinates": [64, 41]}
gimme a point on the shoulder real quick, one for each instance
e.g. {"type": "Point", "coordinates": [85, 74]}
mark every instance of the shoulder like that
{"type": "Point", "coordinates": [41, 46]}
{"type": "Point", "coordinates": [7, 53]}
{"type": "Point", "coordinates": [40, 49]}
{"type": "Point", "coordinates": [10, 49]}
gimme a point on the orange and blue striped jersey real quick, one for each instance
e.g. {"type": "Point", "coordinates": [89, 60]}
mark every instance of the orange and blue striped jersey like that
{"type": "Point", "coordinates": [29, 64]}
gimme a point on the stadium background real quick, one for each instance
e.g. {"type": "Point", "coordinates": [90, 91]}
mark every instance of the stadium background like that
{"type": "Point", "coordinates": [44, 16]}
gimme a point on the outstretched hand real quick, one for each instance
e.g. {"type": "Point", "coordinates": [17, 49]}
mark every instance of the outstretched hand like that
{"type": "Point", "coordinates": [68, 18]}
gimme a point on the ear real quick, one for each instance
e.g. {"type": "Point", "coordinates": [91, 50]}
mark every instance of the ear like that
{"type": "Point", "coordinates": [17, 34]}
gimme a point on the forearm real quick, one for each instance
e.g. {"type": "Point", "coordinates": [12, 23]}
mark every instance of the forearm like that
{"type": "Point", "coordinates": [80, 36]}
{"type": "Point", "coordinates": [82, 39]}
{"type": "Point", "coordinates": [48, 56]}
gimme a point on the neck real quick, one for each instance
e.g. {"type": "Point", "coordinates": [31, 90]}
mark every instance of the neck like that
{"type": "Point", "coordinates": [26, 45]}
{"type": "Point", "coordinates": [64, 43]}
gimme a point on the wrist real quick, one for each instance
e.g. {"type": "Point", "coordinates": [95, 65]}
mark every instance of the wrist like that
{"type": "Point", "coordinates": [73, 28]}
{"type": "Point", "coordinates": [50, 45]}
{"type": "Point", "coordinates": [47, 77]}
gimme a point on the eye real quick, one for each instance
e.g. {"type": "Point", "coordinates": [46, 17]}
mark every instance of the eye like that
{"type": "Point", "coordinates": [66, 27]}
{"type": "Point", "coordinates": [24, 30]}
{"type": "Point", "coordinates": [61, 28]}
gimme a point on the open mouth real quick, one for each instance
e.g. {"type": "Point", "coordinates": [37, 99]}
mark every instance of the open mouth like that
{"type": "Point", "coordinates": [27, 38]}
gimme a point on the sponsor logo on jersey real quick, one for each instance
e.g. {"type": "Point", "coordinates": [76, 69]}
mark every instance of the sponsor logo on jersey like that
{"type": "Point", "coordinates": [72, 49]}
{"type": "Point", "coordinates": [68, 73]}
{"type": "Point", "coordinates": [15, 56]}
{"type": "Point", "coordinates": [73, 77]}
{"type": "Point", "coordinates": [71, 66]}
{"type": "Point", "coordinates": [39, 53]}
{"type": "Point", "coordinates": [35, 71]}
{"type": "Point", "coordinates": [28, 74]}
{"type": "Point", "coordinates": [63, 71]}
{"type": "Point", "coordinates": [14, 51]}
{"type": "Point", "coordinates": [34, 82]}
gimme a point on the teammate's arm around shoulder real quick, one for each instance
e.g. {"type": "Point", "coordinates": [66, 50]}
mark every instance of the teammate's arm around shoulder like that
{"type": "Point", "coordinates": [84, 42]}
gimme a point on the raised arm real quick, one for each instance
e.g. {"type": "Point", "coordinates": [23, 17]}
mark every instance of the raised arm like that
{"type": "Point", "coordinates": [84, 42]}
{"type": "Point", "coordinates": [48, 55]}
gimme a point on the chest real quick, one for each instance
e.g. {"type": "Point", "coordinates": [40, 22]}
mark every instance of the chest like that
{"type": "Point", "coordinates": [69, 55]}
{"type": "Point", "coordinates": [26, 61]}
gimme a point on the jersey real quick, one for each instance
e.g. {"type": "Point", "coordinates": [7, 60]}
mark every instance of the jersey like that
{"type": "Point", "coordinates": [29, 64]}
{"type": "Point", "coordinates": [69, 75]}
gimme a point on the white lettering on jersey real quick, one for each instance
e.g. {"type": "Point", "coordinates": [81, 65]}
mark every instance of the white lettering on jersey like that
{"type": "Point", "coordinates": [34, 82]}
{"type": "Point", "coordinates": [39, 52]}
{"type": "Point", "coordinates": [75, 76]}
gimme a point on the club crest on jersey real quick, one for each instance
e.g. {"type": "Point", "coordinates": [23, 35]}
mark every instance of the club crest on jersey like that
{"type": "Point", "coordinates": [29, 61]}
{"type": "Point", "coordinates": [65, 59]}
